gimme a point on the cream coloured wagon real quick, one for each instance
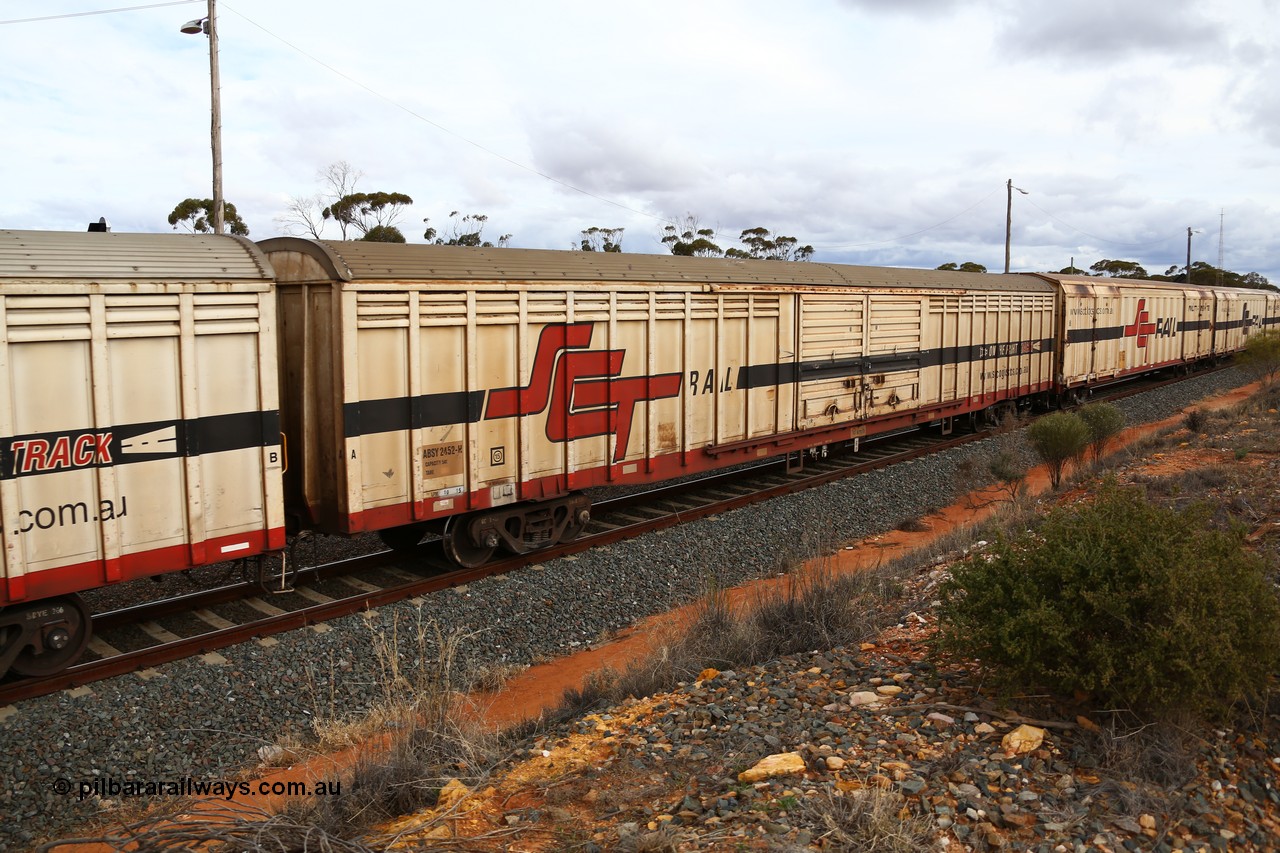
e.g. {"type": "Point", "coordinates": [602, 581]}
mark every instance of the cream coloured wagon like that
{"type": "Point", "coordinates": [138, 421]}
{"type": "Point", "coordinates": [478, 391]}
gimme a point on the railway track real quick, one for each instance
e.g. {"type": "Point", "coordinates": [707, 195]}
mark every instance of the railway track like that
{"type": "Point", "coordinates": [136, 638]}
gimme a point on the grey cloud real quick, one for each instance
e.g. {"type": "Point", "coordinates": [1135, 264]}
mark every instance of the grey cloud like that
{"type": "Point", "coordinates": [916, 8]}
{"type": "Point", "coordinates": [1106, 30]}
{"type": "Point", "coordinates": [615, 157]}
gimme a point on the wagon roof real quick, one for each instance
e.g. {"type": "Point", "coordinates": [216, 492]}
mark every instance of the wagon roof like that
{"type": "Point", "coordinates": [1116, 281]}
{"type": "Point", "coordinates": [357, 261]}
{"type": "Point", "coordinates": [100, 256]}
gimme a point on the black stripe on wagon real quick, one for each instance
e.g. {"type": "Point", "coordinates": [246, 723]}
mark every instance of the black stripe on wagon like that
{"type": "Point", "coordinates": [766, 375]}
{"type": "Point", "coordinates": [72, 450]}
{"type": "Point", "coordinates": [1195, 326]}
{"type": "Point", "coordinates": [1111, 333]}
{"type": "Point", "coordinates": [1102, 333]}
{"type": "Point", "coordinates": [395, 414]}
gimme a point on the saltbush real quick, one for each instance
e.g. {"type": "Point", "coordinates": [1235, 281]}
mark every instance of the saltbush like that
{"type": "Point", "coordinates": [1104, 421]}
{"type": "Point", "coordinates": [1137, 605]}
{"type": "Point", "coordinates": [1057, 439]}
{"type": "Point", "coordinates": [1261, 356]}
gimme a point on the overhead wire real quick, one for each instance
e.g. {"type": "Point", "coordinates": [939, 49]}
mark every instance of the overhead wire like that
{"type": "Point", "coordinates": [99, 12]}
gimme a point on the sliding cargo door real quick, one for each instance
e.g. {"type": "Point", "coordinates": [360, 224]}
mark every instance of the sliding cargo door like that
{"type": "Point", "coordinates": [832, 365]}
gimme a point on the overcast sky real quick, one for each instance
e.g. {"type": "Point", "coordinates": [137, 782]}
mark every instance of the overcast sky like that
{"type": "Point", "coordinates": [879, 131]}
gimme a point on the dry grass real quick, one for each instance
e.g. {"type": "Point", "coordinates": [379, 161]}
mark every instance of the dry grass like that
{"type": "Point", "coordinates": [1145, 764]}
{"type": "Point", "coordinates": [817, 609]}
{"type": "Point", "coordinates": [169, 832]}
{"type": "Point", "coordinates": [424, 732]}
{"type": "Point", "coordinates": [868, 819]}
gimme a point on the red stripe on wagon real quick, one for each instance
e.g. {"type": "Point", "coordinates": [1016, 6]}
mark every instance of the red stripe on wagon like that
{"type": "Point", "coordinates": [91, 574]}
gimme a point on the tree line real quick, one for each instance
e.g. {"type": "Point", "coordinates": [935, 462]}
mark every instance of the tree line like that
{"type": "Point", "coordinates": [376, 216]}
{"type": "Point", "coordinates": [1201, 273]}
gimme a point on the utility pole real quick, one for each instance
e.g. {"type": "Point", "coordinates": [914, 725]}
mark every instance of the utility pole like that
{"type": "Point", "coordinates": [215, 128]}
{"type": "Point", "coordinates": [1008, 220]}
{"type": "Point", "coordinates": [1222, 224]}
{"type": "Point", "coordinates": [209, 26]}
{"type": "Point", "coordinates": [1189, 233]}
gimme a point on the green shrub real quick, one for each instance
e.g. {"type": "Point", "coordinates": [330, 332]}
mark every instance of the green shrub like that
{"type": "Point", "coordinates": [1057, 439]}
{"type": "Point", "coordinates": [1104, 421]}
{"type": "Point", "coordinates": [1138, 605]}
{"type": "Point", "coordinates": [1261, 356]}
{"type": "Point", "coordinates": [1009, 471]}
{"type": "Point", "coordinates": [1195, 420]}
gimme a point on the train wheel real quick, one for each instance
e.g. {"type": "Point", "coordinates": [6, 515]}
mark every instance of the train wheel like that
{"type": "Point", "coordinates": [402, 540]}
{"type": "Point", "coordinates": [64, 641]}
{"type": "Point", "coordinates": [459, 547]}
{"type": "Point", "coordinates": [578, 523]}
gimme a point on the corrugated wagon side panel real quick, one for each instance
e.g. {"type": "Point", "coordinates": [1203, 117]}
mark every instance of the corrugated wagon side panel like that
{"type": "Point", "coordinates": [51, 393]}
{"type": "Point", "coordinates": [380, 458]}
{"type": "Point", "coordinates": [142, 432]}
{"type": "Point", "coordinates": [1196, 327]}
{"type": "Point", "coordinates": [443, 447]}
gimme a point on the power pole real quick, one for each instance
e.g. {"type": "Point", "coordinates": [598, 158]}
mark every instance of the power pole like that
{"type": "Point", "coordinates": [1222, 224]}
{"type": "Point", "coordinates": [1189, 233]}
{"type": "Point", "coordinates": [1008, 224]}
{"type": "Point", "coordinates": [215, 130]}
{"type": "Point", "coordinates": [1008, 220]}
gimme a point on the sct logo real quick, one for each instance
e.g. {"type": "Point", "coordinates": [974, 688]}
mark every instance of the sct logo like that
{"type": "Point", "coordinates": [1142, 327]}
{"type": "Point", "coordinates": [38, 455]}
{"type": "Point", "coordinates": [584, 389]}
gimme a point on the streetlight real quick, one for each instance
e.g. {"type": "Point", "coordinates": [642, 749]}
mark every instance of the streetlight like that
{"type": "Point", "coordinates": [1009, 217]}
{"type": "Point", "coordinates": [1189, 233]}
{"type": "Point", "coordinates": [209, 26]}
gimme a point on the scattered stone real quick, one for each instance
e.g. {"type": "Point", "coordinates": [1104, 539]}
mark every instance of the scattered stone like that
{"type": "Point", "coordinates": [779, 764]}
{"type": "Point", "coordinates": [451, 793]}
{"type": "Point", "coordinates": [1022, 740]}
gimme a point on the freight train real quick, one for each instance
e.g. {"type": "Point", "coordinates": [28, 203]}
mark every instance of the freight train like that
{"type": "Point", "coordinates": [172, 401]}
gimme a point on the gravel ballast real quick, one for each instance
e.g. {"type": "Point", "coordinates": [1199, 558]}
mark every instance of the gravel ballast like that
{"type": "Point", "coordinates": [207, 720]}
